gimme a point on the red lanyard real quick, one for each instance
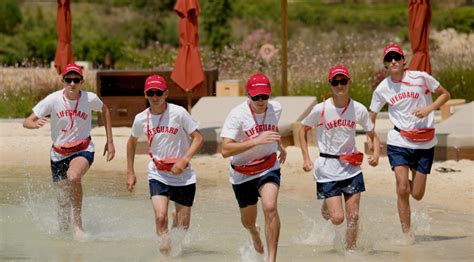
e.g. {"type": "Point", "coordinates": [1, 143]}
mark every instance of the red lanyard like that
{"type": "Point", "coordinates": [321, 118]}
{"type": "Point", "coordinates": [255, 118]}
{"type": "Point", "coordinates": [411, 84]}
{"type": "Point", "coordinates": [150, 139]}
{"type": "Point", "coordinates": [72, 114]}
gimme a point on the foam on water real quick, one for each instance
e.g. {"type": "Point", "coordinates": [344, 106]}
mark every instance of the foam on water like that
{"type": "Point", "coordinates": [120, 226]}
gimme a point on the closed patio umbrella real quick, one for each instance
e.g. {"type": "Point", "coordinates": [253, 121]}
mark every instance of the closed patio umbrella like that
{"type": "Point", "coordinates": [63, 54]}
{"type": "Point", "coordinates": [419, 18]}
{"type": "Point", "coordinates": [187, 72]}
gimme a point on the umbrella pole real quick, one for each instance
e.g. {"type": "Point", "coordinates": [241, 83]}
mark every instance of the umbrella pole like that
{"type": "Point", "coordinates": [189, 96]}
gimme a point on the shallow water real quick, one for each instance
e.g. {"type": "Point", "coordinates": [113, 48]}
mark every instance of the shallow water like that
{"type": "Point", "coordinates": [120, 226]}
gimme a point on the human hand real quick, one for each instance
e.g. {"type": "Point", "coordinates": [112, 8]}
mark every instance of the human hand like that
{"type": "Point", "coordinates": [41, 122]}
{"type": "Point", "coordinates": [307, 165]}
{"type": "Point", "coordinates": [373, 160]}
{"type": "Point", "coordinates": [421, 112]}
{"type": "Point", "coordinates": [179, 166]}
{"type": "Point", "coordinates": [282, 156]}
{"type": "Point", "coordinates": [267, 137]}
{"type": "Point", "coordinates": [110, 149]}
{"type": "Point", "coordinates": [131, 181]}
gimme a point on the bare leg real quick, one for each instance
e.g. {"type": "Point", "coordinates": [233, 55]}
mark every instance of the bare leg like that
{"type": "Point", "coordinates": [77, 168]}
{"type": "Point", "coordinates": [64, 205]}
{"type": "Point", "coordinates": [248, 217]}
{"type": "Point", "coordinates": [175, 219]}
{"type": "Point", "coordinates": [418, 185]}
{"type": "Point", "coordinates": [160, 207]}
{"type": "Point", "coordinates": [403, 198]}
{"type": "Point", "coordinates": [269, 196]}
{"type": "Point", "coordinates": [182, 215]}
{"type": "Point", "coordinates": [324, 211]}
{"type": "Point", "coordinates": [352, 218]}
{"type": "Point", "coordinates": [333, 207]}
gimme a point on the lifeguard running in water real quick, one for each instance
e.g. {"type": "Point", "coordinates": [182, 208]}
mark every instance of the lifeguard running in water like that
{"type": "Point", "coordinates": [410, 144]}
{"type": "Point", "coordinates": [250, 137]}
{"type": "Point", "coordinates": [173, 139]}
{"type": "Point", "coordinates": [337, 170]}
{"type": "Point", "coordinates": [72, 152]}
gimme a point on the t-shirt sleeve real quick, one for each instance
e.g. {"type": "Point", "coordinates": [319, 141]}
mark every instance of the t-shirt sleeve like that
{"type": "Point", "coordinates": [277, 108]}
{"type": "Point", "coordinates": [231, 127]}
{"type": "Point", "coordinates": [364, 119]}
{"type": "Point", "coordinates": [377, 102]}
{"type": "Point", "coordinates": [44, 107]}
{"type": "Point", "coordinates": [431, 83]}
{"type": "Point", "coordinates": [137, 128]}
{"type": "Point", "coordinates": [95, 102]}
{"type": "Point", "coordinates": [188, 122]}
{"type": "Point", "coordinates": [312, 118]}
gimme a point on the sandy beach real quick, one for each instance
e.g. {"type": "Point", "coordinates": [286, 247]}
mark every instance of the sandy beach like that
{"type": "Point", "coordinates": [453, 190]}
{"type": "Point", "coordinates": [118, 220]}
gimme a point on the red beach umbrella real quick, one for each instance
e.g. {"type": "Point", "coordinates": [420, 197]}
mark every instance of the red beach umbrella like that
{"type": "Point", "coordinates": [419, 18]}
{"type": "Point", "coordinates": [187, 72]}
{"type": "Point", "coordinates": [63, 54]}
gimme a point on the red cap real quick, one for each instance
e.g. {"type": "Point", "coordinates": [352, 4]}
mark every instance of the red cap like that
{"type": "Point", "coordinates": [155, 82]}
{"type": "Point", "coordinates": [72, 68]}
{"type": "Point", "coordinates": [392, 48]}
{"type": "Point", "coordinates": [258, 84]}
{"type": "Point", "coordinates": [338, 70]}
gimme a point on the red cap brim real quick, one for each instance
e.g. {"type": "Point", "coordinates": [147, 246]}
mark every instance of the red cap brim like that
{"type": "Point", "coordinates": [259, 90]}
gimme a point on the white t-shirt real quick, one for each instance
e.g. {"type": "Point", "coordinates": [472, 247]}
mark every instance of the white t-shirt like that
{"type": "Point", "coordinates": [414, 91]}
{"type": "Point", "coordinates": [171, 139]}
{"type": "Point", "coordinates": [61, 110]}
{"type": "Point", "coordinates": [336, 136]}
{"type": "Point", "coordinates": [240, 126]}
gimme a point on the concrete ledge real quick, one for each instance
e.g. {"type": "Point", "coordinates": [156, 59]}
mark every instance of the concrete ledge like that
{"type": "Point", "coordinates": [455, 136]}
{"type": "Point", "coordinates": [212, 111]}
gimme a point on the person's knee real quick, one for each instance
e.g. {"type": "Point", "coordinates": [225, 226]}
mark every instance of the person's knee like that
{"type": "Point", "coordinates": [418, 195]}
{"type": "Point", "coordinates": [73, 177]}
{"type": "Point", "coordinates": [337, 219]}
{"type": "Point", "coordinates": [270, 209]}
{"type": "Point", "coordinates": [403, 189]}
{"type": "Point", "coordinates": [247, 222]}
{"type": "Point", "coordinates": [161, 220]}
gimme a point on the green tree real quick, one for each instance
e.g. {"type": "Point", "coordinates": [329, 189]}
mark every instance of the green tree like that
{"type": "Point", "coordinates": [216, 15]}
{"type": "Point", "coordinates": [10, 16]}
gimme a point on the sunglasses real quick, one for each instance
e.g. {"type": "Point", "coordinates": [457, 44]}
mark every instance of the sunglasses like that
{"type": "Point", "coordinates": [258, 97]}
{"type": "Point", "coordinates": [154, 92]}
{"type": "Point", "coordinates": [343, 82]}
{"type": "Point", "coordinates": [70, 80]}
{"type": "Point", "coordinates": [390, 56]}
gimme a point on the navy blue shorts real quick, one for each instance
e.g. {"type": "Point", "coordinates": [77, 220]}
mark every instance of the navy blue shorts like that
{"type": "Point", "coordinates": [59, 168]}
{"type": "Point", "coordinates": [183, 195]}
{"type": "Point", "coordinates": [348, 186]}
{"type": "Point", "coordinates": [417, 159]}
{"type": "Point", "coordinates": [247, 193]}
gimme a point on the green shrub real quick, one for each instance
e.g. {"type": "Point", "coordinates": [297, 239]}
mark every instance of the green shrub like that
{"type": "Point", "coordinates": [10, 15]}
{"type": "Point", "coordinates": [458, 81]}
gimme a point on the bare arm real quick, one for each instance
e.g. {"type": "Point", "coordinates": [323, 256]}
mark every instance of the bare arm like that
{"type": "Point", "coordinates": [370, 142]}
{"type": "Point", "coordinates": [34, 122]}
{"type": "Point", "coordinates": [109, 145]}
{"type": "Point", "coordinates": [303, 137]}
{"type": "Point", "coordinates": [231, 147]}
{"type": "Point", "coordinates": [373, 139]}
{"type": "Point", "coordinates": [197, 143]}
{"type": "Point", "coordinates": [443, 97]}
{"type": "Point", "coordinates": [131, 150]}
{"type": "Point", "coordinates": [282, 156]}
